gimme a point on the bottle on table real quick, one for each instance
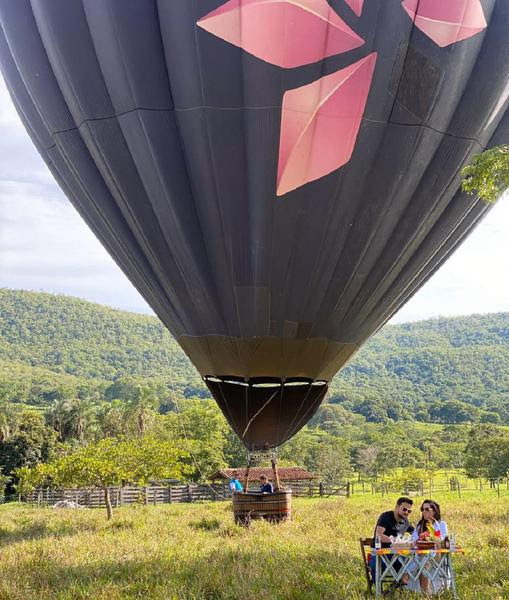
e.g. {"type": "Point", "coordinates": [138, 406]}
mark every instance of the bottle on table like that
{"type": "Point", "coordinates": [378, 542]}
{"type": "Point", "coordinates": [452, 542]}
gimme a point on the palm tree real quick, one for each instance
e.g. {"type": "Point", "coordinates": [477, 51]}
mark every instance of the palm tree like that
{"type": "Point", "coordinates": [141, 409]}
{"type": "Point", "coordinates": [8, 420]}
{"type": "Point", "coordinates": [112, 418]}
{"type": "Point", "coordinates": [73, 418]}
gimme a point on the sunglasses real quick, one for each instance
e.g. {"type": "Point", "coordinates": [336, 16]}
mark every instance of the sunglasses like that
{"type": "Point", "coordinates": [406, 510]}
{"type": "Point", "coordinates": [427, 508]}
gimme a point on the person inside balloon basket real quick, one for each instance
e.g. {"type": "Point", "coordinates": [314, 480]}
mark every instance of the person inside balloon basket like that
{"type": "Point", "coordinates": [390, 524]}
{"type": "Point", "coordinates": [235, 485]}
{"type": "Point", "coordinates": [265, 485]}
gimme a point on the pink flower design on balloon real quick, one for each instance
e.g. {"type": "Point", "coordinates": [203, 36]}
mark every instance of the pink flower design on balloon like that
{"type": "Point", "coordinates": [320, 123]}
{"type": "Point", "coordinates": [286, 33]}
{"type": "Point", "coordinates": [447, 21]}
{"type": "Point", "coordinates": [356, 6]}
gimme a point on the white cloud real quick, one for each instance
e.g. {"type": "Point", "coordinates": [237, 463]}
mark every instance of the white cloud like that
{"type": "Point", "coordinates": [474, 280]}
{"type": "Point", "coordinates": [44, 244]}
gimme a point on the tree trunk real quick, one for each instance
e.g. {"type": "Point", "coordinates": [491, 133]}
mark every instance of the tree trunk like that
{"type": "Point", "coordinates": [107, 500]}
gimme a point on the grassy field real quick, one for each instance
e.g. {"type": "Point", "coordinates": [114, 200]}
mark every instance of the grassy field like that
{"type": "Point", "coordinates": [191, 551]}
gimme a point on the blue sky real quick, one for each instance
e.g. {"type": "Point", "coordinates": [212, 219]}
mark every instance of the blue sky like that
{"type": "Point", "coordinates": [44, 245]}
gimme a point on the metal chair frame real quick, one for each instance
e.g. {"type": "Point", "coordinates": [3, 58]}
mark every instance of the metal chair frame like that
{"type": "Point", "coordinates": [367, 568]}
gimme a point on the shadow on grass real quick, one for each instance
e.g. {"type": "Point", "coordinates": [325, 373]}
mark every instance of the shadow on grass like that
{"type": "Point", "coordinates": [225, 574]}
{"type": "Point", "coordinates": [38, 530]}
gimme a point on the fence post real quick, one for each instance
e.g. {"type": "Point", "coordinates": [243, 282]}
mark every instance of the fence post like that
{"type": "Point", "coordinates": [498, 488]}
{"type": "Point", "coordinates": [189, 496]}
{"type": "Point", "coordinates": [320, 488]}
{"type": "Point", "coordinates": [348, 489]}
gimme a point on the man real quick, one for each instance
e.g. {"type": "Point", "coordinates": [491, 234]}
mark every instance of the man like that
{"type": "Point", "coordinates": [390, 524]}
{"type": "Point", "coordinates": [235, 485]}
{"type": "Point", "coordinates": [265, 486]}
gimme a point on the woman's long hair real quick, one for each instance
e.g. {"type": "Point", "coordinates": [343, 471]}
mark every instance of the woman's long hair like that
{"type": "Point", "coordinates": [423, 523]}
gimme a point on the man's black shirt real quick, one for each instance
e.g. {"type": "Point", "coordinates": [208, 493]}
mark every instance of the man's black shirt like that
{"type": "Point", "coordinates": [387, 520]}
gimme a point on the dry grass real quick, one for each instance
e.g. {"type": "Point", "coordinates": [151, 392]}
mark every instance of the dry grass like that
{"type": "Point", "coordinates": [196, 552]}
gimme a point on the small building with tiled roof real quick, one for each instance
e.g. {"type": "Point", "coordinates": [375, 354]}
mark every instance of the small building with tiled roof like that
{"type": "Point", "coordinates": [286, 474]}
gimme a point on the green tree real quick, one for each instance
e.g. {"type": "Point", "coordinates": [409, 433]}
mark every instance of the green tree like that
{"type": "Point", "coordinates": [141, 409]}
{"type": "Point", "coordinates": [301, 449]}
{"type": "Point", "coordinates": [30, 444]}
{"type": "Point", "coordinates": [30, 478]}
{"type": "Point", "coordinates": [9, 419]}
{"type": "Point", "coordinates": [487, 457]}
{"type": "Point", "coordinates": [111, 462]}
{"type": "Point", "coordinates": [112, 418]}
{"type": "Point", "coordinates": [333, 460]}
{"type": "Point", "coordinates": [488, 174]}
{"type": "Point", "coordinates": [73, 418]}
{"type": "Point", "coordinates": [203, 426]}
{"type": "Point", "coordinates": [374, 409]}
{"type": "Point", "coordinates": [4, 481]}
{"type": "Point", "coordinates": [365, 459]}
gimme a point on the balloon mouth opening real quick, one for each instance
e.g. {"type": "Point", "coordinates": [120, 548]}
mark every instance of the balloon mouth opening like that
{"type": "Point", "coordinates": [265, 382]}
{"type": "Point", "coordinates": [266, 411]}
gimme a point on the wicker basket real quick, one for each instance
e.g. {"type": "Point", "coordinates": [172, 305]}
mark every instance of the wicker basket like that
{"type": "Point", "coordinates": [271, 507]}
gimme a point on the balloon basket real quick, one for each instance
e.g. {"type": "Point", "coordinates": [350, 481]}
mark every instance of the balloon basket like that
{"type": "Point", "coordinates": [249, 506]}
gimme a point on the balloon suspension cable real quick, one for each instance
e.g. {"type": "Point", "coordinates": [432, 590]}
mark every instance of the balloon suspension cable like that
{"type": "Point", "coordinates": [246, 474]}
{"type": "Point", "coordinates": [257, 413]}
{"type": "Point", "coordinates": [181, 421]}
{"type": "Point", "coordinates": [297, 413]}
{"type": "Point", "coordinates": [277, 483]}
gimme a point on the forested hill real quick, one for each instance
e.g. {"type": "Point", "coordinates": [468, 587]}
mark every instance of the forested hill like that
{"type": "Point", "coordinates": [443, 370]}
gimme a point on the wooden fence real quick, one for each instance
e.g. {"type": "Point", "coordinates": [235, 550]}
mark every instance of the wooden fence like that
{"type": "Point", "coordinates": [428, 488]}
{"type": "Point", "coordinates": [168, 494]}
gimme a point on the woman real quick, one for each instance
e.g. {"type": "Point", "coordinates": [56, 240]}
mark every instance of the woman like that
{"type": "Point", "coordinates": [430, 518]}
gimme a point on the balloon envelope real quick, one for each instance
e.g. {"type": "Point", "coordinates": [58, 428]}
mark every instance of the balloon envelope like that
{"type": "Point", "coordinates": [276, 179]}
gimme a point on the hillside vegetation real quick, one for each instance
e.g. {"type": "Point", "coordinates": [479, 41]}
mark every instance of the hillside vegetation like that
{"type": "Point", "coordinates": [446, 370]}
{"type": "Point", "coordinates": [418, 398]}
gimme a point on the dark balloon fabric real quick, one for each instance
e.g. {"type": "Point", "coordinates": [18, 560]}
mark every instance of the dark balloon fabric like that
{"type": "Point", "coordinates": [276, 179]}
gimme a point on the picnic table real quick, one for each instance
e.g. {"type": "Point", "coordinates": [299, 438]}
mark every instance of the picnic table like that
{"type": "Point", "coordinates": [436, 564]}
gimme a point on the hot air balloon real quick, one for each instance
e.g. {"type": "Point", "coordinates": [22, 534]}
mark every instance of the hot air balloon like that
{"type": "Point", "coordinates": [276, 178]}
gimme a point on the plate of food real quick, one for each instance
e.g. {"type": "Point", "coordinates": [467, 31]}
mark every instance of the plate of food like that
{"type": "Point", "coordinates": [402, 543]}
